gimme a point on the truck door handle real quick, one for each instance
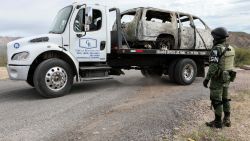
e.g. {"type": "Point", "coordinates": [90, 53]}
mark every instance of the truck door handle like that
{"type": "Point", "coordinates": [102, 45]}
{"type": "Point", "coordinates": [79, 35]}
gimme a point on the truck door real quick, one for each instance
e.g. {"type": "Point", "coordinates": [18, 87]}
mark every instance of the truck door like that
{"type": "Point", "coordinates": [186, 32]}
{"type": "Point", "coordinates": [204, 39]}
{"type": "Point", "coordinates": [89, 45]}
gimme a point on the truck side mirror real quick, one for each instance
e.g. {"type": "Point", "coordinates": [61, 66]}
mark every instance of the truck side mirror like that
{"type": "Point", "coordinates": [88, 18]}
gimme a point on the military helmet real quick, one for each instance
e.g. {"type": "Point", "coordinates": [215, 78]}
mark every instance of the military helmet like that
{"type": "Point", "coordinates": [220, 33]}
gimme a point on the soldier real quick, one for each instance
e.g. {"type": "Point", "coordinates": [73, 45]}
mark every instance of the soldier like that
{"type": "Point", "coordinates": [220, 73]}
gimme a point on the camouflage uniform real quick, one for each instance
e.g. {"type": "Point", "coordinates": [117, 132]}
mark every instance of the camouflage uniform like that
{"type": "Point", "coordinates": [218, 85]}
{"type": "Point", "coordinates": [220, 73]}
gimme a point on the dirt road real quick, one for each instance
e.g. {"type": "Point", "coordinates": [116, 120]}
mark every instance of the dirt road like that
{"type": "Point", "coordinates": [129, 107]}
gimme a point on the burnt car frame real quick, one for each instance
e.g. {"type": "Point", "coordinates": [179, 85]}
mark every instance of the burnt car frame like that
{"type": "Point", "coordinates": [154, 28]}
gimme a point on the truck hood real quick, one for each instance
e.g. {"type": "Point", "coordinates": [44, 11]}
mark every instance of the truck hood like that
{"type": "Point", "coordinates": [51, 38]}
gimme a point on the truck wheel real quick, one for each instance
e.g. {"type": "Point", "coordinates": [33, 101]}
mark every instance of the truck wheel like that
{"type": "Point", "coordinates": [53, 78]}
{"type": "Point", "coordinates": [186, 71]}
{"type": "Point", "coordinates": [166, 43]}
{"type": "Point", "coordinates": [152, 73]}
{"type": "Point", "coordinates": [171, 70]}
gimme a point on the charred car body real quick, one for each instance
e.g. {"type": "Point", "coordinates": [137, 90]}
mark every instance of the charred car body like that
{"type": "Point", "coordinates": [160, 29]}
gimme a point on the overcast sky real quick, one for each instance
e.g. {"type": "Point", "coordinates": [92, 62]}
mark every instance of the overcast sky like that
{"type": "Point", "coordinates": [32, 17]}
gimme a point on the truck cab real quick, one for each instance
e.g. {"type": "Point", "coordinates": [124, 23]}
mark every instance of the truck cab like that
{"type": "Point", "coordinates": [73, 38]}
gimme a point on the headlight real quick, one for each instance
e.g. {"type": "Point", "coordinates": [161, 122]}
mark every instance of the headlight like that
{"type": "Point", "coordinates": [20, 56]}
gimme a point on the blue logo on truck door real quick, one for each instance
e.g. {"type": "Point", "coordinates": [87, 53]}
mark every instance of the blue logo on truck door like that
{"type": "Point", "coordinates": [16, 45]}
{"type": "Point", "coordinates": [88, 43]}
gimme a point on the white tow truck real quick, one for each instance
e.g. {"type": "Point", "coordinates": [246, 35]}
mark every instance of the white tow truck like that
{"type": "Point", "coordinates": [81, 47]}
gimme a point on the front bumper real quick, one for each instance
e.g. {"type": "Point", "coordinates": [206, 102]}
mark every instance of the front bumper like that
{"type": "Point", "coordinates": [18, 72]}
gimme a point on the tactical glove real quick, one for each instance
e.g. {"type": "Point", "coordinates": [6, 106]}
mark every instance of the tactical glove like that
{"type": "Point", "coordinates": [205, 83]}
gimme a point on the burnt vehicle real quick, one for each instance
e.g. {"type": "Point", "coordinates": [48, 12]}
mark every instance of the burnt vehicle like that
{"type": "Point", "coordinates": [153, 28]}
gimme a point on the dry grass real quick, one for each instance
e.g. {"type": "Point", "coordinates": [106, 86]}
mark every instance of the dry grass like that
{"type": "Point", "coordinates": [3, 73]}
{"type": "Point", "coordinates": [242, 57]}
{"type": "Point", "coordinates": [197, 131]}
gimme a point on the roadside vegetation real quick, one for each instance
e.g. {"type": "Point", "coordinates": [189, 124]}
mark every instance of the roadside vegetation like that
{"type": "Point", "coordinates": [3, 60]}
{"type": "Point", "coordinates": [242, 57]}
{"type": "Point", "coordinates": [3, 54]}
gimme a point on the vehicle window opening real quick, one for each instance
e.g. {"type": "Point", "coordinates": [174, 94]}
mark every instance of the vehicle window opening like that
{"type": "Point", "coordinates": [61, 20]}
{"type": "Point", "coordinates": [198, 23]}
{"type": "Point", "coordinates": [185, 21]}
{"type": "Point", "coordinates": [160, 17]}
{"type": "Point", "coordinates": [94, 26]}
{"type": "Point", "coordinates": [128, 17]}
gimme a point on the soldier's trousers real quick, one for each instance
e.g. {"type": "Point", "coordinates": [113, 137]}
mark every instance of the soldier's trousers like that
{"type": "Point", "coordinates": [220, 100]}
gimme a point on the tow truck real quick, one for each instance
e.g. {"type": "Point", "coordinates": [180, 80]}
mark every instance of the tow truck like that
{"type": "Point", "coordinates": [80, 47]}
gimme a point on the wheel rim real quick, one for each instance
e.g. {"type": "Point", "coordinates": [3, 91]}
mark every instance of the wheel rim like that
{"type": "Point", "coordinates": [56, 78]}
{"type": "Point", "coordinates": [188, 72]}
{"type": "Point", "coordinates": [165, 44]}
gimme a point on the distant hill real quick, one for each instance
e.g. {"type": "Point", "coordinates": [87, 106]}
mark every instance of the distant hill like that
{"type": "Point", "coordinates": [239, 39]}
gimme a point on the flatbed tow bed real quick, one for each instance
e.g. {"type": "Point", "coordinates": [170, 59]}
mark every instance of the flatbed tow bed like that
{"type": "Point", "coordinates": [155, 62]}
{"type": "Point", "coordinates": [204, 53]}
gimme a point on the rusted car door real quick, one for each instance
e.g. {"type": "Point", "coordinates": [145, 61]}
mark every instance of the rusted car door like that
{"type": "Point", "coordinates": [204, 39]}
{"type": "Point", "coordinates": [186, 32]}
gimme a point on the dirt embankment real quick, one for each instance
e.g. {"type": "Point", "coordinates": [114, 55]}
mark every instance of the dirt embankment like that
{"type": "Point", "coordinates": [195, 130]}
{"type": "Point", "coordinates": [3, 73]}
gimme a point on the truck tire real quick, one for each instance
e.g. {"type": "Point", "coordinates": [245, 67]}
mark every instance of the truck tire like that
{"type": "Point", "coordinates": [152, 73]}
{"type": "Point", "coordinates": [171, 70]}
{"type": "Point", "coordinates": [186, 71]}
{"type": "Point", "coordinates": [53, 78]}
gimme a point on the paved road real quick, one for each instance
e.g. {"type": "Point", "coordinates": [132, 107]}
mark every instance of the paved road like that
{"type": "Point", "coordinates": [129, 107]}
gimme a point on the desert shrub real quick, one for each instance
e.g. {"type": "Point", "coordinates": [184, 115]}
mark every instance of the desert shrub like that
{"type": "Point", "coordinates": [3, 61]}
{"type": "Point", "coordinates": [3, 56]}
{"type": "Point", "coordinates": [242, 57]}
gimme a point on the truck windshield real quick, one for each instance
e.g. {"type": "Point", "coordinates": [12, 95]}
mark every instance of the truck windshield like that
{"type": "Point", "coordinates": [61, 20]}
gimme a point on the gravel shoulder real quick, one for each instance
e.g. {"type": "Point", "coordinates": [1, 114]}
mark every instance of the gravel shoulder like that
{"type": "Point", "coordinates": [195, 129]}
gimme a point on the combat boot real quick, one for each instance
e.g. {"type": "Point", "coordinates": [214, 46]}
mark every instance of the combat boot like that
{"type": "Point", "coordinates": [217, 123]}
{"type": "Point", "coordinates": [226, 119]}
